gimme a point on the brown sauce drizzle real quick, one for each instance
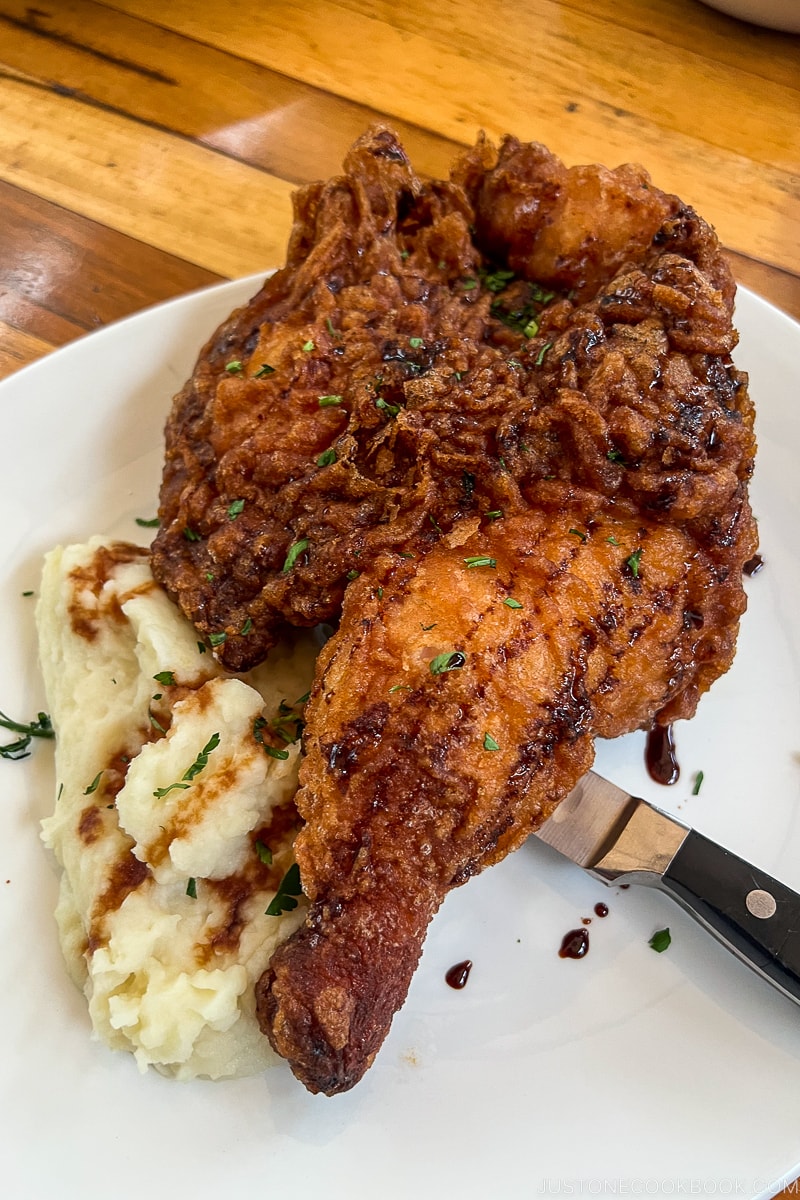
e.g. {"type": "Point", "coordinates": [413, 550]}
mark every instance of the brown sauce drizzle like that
{"type": "Point", "coordinates": [85, 620]}
{"type": "Point", "coordinates": [753, 565]}
{"type": "Point", "coordinates": [575, 944]}
{"type": "Point", "coordinates": [458, 974]}
{"type": "Point", "coordinates": [659, 754]}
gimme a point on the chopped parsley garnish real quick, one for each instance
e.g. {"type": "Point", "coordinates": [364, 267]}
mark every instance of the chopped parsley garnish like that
{"type": "Point", "coordinates": [416, 343]}
{"type": "Point", "coordinates": [329, 401]}
{"type": "Point", "coordinates": [698, 783]}
{"type": "Point", "coordinates": [293, 553]}
{"type": "Point", "coordinates": [191, 888]}
{"type": "Point", "coordinates": [201, 648]}
{"type": "Point", "coordinates": [247, 627]}
{"type": "Point", "coordinates": [148, 522]}
{"type": "Point", "coordinates": [401, 687]}
{"type": "Point", "coordinates": [511, 602]}
{"type": "Point", "coordinates": [285, 899]}
{"type": "Point", "coordinates": [327, 458]}
{"type": "Point", "coordinates": [354, 574]}
{"type": "Point", "coordinates": [278, 726]}
{"type": "Point", "coordinates": [612, 541]}
{"type": "Point", "coordinates": [333, 332]}
{"type": "Point", "coordinates": [307, 346]}
{"type": "Point", "coordinates": [93, 785]}
{"type": "Point", "coordinates": [469, 284]}
{"type": "Point", "coordinates": [632, 563]}
{"type": "Point", "coordinates": [615, 456]}
{"type": "Point", "coordinates": [199, 764]}
{"type": "Point", "coordinates": [451, 660]}
{"type": "Point", "coordinates": [264, 370]}
{"type": "Point", "coordinates": [235, 367]}
{"type": "Point", "coordinates": [27, 593]}
{"type": "Point", "coordinates": [489, 743]}
{"type": "Point", "coordinates": [218, 639]}
{"type": "Point", "coordinates": [660, 940]}
{"type": "Point", "coordinates": [154, 721]}
{"type": "Point", "coordinates": [40, 728]}
{"type": "Point", "coordinates": [480, 560]}
{"type": "Point", "coordinates": [391, 409]}
{"type": "Point", "coordinates": [498, 280]}
{"type": "Point", "coordinates": [235, 509]}
{"type": "Point", "coordinates": [191, 535]}
{"type": "Point", "coordinates": [577, 533]}
{"type": "Point", "coordinates": [494, 514]}
{"type": "Point", "coordinates": [264, 854]}
{"type": "Point", "coordinates": [540, 356]}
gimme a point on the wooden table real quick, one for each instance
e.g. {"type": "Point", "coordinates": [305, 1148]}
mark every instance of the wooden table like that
{"type": "Point", "coordinates": [147, 149]}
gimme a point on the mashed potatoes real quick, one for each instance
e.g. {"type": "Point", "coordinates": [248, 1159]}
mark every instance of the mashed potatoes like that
{"type": "Point", "coordinates": [174, 818]}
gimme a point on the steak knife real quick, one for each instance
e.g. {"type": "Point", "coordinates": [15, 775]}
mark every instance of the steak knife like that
{"type": "Point", "coordinates": [622, 839]}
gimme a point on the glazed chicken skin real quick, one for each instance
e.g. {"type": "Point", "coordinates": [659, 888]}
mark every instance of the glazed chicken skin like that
{"type": "Point", "coordinates": [492, 427]}
{"type": "Point", "coordinates": [455, 707]}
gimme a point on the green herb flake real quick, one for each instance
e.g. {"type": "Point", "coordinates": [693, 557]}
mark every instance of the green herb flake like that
{"type": "Point", "coordinates": [698, 783]}
{"type": "Point", "coordinates": [480, 560]}
{"type": "Point", "coordinates": [307, 347]}
{"type": "Point", "coordinates": [612, 541]}
{"type": "Point", "coordinates": [400, 687]}
{"type": "Point", "coordinates": [293, 553]}
{"type": "Point", "coordinates": [191, 888]}
{"type": "Point", "coordinates": [489, 743]}
{"type": "Point", "coordinates": [218, 639]}
{"type": "Point", "coordinates": [329, 401]}
{"type": "Point", "coordinates": [540, 356]}
{"type": "Point", "coordinates": [327, 458]}
{"type": "Point", "coordinates": [289, 889]}
{"type": "Point", "coordinates": [191, 535]}
{"type": "Point", "coordinates": [148, 522]}
{"type": "Point", "coordinates": [201, 648]}
{"type": "Point", "coordinates": [469, 284]}
{"type": "Point", "coordinates": [494, 514]}
{"type": "Point", "coordinates": [160, 793]}
{"type": "Point", "coordinates": [235, 509]}
{"type": "Point", "coordinates": [333, 332]}
{"type": "Point", "coordinates": [379, 593]}
{"type": "Point", "coordinates": [201, 762]}
{"type": "Point", "coordinates": [416, 343]}
{"type": "Point", "coordinates": [391, 409]}
{"type": "Point", "coordinates": [511, 602]}
{"type": "Point", "coordinates": [234, 367]}
{"type": "Point", "coordinates": [274, 752]}
{"type": "Point", "coordinates": [40, 728]}
{"type": "Point", "coordinates": [632, 563]}
{"type": "Point", "coordinates": [264, 854]}
{"type": "Point", "coordinates": [93, 785]}
{"type": "Point", "coordinates": [154, 721]}
{"type": "Point", "coordinates": [497, 281]}
{"type": "Point", "coordinates": [28, 593]}
{"type": "Point", "coordinates": [247, 627]}
{"type": "Point", "coordinates": [514, 362]}
{"type": "Point", "coordinates": [451, 660]}
{"type": "Point", "coordinates": [577, 533]}
{"type": "Point", "coordinates": [660, 940]}
{"type": "Point", "coordinates": [614, 456]}
{"type": "Point", "coordinates": [263, 371]}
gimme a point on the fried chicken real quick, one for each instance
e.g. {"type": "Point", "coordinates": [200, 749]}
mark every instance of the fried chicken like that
{"type": "Point", "coordinates": [493, 425]}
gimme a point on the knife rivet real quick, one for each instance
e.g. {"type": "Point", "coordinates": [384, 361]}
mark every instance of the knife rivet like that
{"type": "Point", "coordinates": [760, 904]}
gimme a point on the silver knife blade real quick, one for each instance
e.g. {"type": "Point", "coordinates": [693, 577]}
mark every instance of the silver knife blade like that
{"type": "Point", "coordinates": [610, 833]}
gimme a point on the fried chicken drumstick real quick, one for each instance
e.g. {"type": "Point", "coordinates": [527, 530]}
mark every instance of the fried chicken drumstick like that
{"type": "Point", "coordinates": [491, 423]}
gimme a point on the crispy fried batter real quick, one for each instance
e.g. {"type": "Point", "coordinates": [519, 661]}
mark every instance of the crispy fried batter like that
{"type": "Point", "coordinates": [526, 365]}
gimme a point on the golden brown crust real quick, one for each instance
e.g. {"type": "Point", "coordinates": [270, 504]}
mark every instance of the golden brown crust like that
{"type": "Point", "coordinates": [528, 396]}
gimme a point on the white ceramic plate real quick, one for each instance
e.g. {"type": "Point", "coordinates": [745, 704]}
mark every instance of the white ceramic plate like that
{"type": "Point", "coordinates": [628, 1072]}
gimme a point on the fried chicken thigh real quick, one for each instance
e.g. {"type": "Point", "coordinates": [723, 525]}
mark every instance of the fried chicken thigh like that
{"type": "Point", "coordinates": [492, 427]}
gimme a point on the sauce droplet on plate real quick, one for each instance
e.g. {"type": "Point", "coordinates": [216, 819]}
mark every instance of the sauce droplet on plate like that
{"type": "Point", "coordinates": [574, 944]}
{"type": "Point", "coordinates": [753, 565]}
{"type": "Point", "coordinates": [659, 754]}
{"type": "Point", "coordinates": [601, 909]}
{"type": "Point", "coordinates": [458, 974]}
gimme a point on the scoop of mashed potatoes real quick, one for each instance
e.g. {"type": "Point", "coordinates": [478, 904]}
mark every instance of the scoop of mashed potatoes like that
{"type": "Point", "coordinates": [174, 818]}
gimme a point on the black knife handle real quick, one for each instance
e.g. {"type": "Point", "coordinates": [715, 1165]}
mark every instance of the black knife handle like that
{"type": "Point", "coordinates": [750, 912]}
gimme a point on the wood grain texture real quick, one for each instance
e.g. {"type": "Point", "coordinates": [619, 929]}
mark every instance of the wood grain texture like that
{"type": "Point", "coordinates": [714, 132]}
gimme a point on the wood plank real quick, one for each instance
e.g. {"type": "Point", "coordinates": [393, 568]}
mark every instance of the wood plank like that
{"type": "Point", "coordinates": [193, 202]}
{"type": "Point", "coordinates": [19, 349]}
{"type": "Point", "coordinates": [296, 132]}
{"type": "Point", "coordinates": [61, 275]}
{"type": "Point", "coordinates": [721, 140]}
